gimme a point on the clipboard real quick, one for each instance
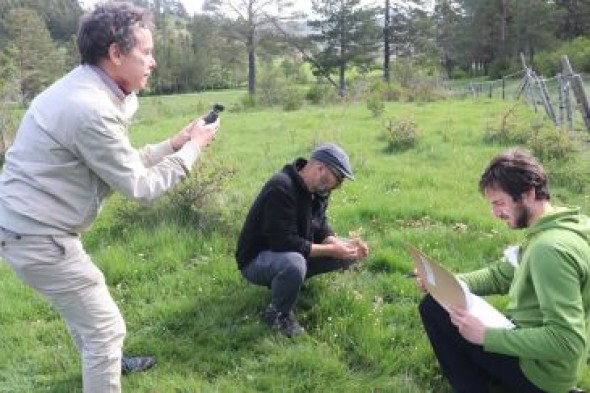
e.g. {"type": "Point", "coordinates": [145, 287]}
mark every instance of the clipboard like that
{"type": "Point", "coordinates": [439, 282]}
{"type": "Point", "coordinates": [449, 291]}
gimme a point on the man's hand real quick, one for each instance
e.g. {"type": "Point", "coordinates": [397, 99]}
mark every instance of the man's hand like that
{"type": "Point", "coordinates": [345, 250]}
{"type": "Point", "coordinates": [471, 328]}
{"type": "Point", "coordinates": [361, 247]}
{"type": "Point", "coordinates": [419, 281]}
{"type": "Point", "coordinates": [199, 132]}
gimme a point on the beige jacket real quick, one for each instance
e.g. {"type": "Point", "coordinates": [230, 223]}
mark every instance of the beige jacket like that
{"type": "Point", "coordinates": [72, 150]}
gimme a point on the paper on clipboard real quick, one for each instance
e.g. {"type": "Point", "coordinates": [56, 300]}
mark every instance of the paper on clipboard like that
{"type": "Point", "coordinates": [449, 291]}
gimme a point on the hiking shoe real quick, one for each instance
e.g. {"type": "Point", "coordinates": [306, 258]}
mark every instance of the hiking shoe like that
{"type": "Point", "coordinates": [270, 316]}
{"type": "Point", "coordinates": [285, 323]}
{"type": "Point", "coordinates": [288, 326]}
{"type": "Point", "coordinates": [136, 364]}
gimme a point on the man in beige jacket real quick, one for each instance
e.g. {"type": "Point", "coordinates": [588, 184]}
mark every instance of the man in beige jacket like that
{"type": "Point", "coordinates": [70, 152]}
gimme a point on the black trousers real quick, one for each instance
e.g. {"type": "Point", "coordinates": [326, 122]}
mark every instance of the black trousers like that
{"type": "Point", "coordinates": [468, 368]}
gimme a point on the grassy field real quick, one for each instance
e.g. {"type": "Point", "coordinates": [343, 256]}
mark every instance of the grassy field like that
{"type": "Point", "coordinates": [173, 274]}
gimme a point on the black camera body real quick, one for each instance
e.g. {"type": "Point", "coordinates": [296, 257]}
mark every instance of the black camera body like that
{"type": "Point", "coordinates": [214, 114]}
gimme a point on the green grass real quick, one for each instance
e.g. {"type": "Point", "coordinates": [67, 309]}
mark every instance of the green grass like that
{"type": "Point", "coordinates": [184, 301]}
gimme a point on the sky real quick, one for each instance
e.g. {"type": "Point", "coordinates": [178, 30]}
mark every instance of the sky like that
{"type": "Point", "coordinates": [191, 6]}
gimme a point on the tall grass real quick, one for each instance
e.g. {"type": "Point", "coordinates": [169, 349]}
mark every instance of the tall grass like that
{"type": "Point", "coordinates": [184, 301]}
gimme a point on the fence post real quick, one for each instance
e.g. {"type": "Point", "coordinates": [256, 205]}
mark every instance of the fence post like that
{"type": "Point", "coordinates": [503, 88]}
{"type": "Point", "coordinates": [560, 90]}
{"type": "Point", "coordinates": [579, 91]}
{"type": "Point", "coordinates": [546, 100]}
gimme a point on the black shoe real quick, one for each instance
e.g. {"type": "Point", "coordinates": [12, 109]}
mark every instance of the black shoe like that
{"type": "Point", "coordinates": [136, 364]}
{"type": "Point", "coordinates": [270, 316]}
{"type": "Point", "coordinates": [288, 326]}
{"type": "Point", "coordinates": [285, 323]}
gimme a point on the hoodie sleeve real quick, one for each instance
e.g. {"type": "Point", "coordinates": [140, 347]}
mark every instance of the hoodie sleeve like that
{"type": "Point", "coordinates": [554, 280]}
{"type": "Point", "coordinates": [493, 280]}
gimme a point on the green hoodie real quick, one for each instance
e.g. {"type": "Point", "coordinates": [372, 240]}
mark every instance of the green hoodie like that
{"type": "Point", "coordinates": [549, 300]}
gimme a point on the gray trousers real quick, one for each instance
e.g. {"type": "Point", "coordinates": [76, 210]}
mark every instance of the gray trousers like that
{"type": "Point", "coordinates": [284, 273]}
{"type": "Point", "coordinates": [59, 269]}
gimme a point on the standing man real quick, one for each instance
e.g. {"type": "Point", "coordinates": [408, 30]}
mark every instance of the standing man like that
{"type": "Point", "coordinates": [286, 237]}
{"type": "Point", "coordinates": [548, 286]}
{"type": "Point", "coordinates": [70, 152]}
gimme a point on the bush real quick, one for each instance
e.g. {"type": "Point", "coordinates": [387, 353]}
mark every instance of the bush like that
{"type": "Point", "coordinates": [375, 105]}
{"type": "Point", "coordinates": [510, 131]}
{"type": "Point", "coordinates": [320, 93]}
{"type": "Point", "coordinates": [197, 201]}
{"type": "Point", "coordinates": [400, 134]}
{"type": "Point", "coordinates": [292, 99]}
{"type": "Point", "coordinates": [247, 101]}
{"type": "Point", "coordinates": [548, 143]}
{"type": "Point", "coordinates": [567, 175]}
{"type": "Point", "coordinates": [270, 86]}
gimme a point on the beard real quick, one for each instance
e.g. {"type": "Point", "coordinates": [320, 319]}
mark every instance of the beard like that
{"type": "Point", "coordinates": [322, 186]}
{"type": "Point", "coordinates": [522, 217]}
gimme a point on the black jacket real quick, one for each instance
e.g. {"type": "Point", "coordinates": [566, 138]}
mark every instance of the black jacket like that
{"type": "Point", "coordinates": [284, 217]}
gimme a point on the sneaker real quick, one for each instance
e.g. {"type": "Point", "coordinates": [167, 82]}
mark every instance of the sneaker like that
{"type": "Point", "coordinates": [270, 316]}
{"type": "Point", "coordinates": [135, 364]}
{"type": "Point", "coordinates": [286, 324]}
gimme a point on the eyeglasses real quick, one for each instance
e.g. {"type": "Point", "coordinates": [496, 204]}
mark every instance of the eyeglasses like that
{"type": "Point", "coordinates": [337, 175]}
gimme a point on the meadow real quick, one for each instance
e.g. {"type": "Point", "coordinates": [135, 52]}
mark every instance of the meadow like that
{"type": "Point", "coordinates": [171, 268]}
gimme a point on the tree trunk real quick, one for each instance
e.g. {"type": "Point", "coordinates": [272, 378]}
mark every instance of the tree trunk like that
{"type": "Point", "coordinates": [342, 90]}
{"type": "Point", "coordinates": [386, 39]}
{"type": "Point", "coordinates": [251, 73]}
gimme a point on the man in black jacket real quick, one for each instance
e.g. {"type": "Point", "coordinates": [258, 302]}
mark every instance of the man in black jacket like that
{"type": "Point", "coordinates": [286, 237]}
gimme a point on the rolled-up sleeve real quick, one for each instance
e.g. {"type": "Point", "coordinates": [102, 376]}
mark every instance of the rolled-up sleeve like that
{"type": "Point", "coordinates": [144, 175]}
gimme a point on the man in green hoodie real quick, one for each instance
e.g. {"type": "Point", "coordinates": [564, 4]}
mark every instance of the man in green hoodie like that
{"type": "Point", "coordinates": [547, 282]}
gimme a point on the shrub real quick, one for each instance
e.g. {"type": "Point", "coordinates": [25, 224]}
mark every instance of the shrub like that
{"type": "Point", "coordinates": [320, 93]}
{"type": "Point", "coordinates": [548, 143]}
{"type": "Point", "coordinates": [510, 131]}
{"type": "Point", "coordinates": [247, 101]}
{"type": "Point", "coordinates": [197, 201]}
{"type": "Point", "coordinates": [270, 86]}
{"type": "Point", "coordinates": [567, 175]}
{"type": "Point", "coordinates": [292, 99]}
{"type": "Point", "coordinates": [400, 134]}
{"type": "Point", "coordinates": [375, 105]}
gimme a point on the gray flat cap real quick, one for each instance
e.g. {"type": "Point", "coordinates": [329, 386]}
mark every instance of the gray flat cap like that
{"type": "Point", "coordinates": [333, 156]}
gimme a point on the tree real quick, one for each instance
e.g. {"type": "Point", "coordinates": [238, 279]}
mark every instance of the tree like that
{"type": "Point", "coordinates": [446, 19]}
{"type": "Point", "coordinates": [60, 16]}
{"type": "Point", "coordinates": [574, 18]}
{"type": "Point", "coordinates": [9, 91]}
{"type": "Point", "coordinates": [249, 18]}
{"type": "Point", "coordinates": [37, 58]}
{"type": "Point", "coordinates": [346, 34]}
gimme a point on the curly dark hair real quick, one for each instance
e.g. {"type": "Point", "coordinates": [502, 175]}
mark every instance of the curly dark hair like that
{"type": "Point", "coordinates": [110, 22]}
{"type": "Point", "coordinates": [515, 172]}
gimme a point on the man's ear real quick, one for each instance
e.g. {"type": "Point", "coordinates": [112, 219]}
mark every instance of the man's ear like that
{"type": "Point", "coordinates": [529, 195]}
{"type": "Point", "coordinates": [115, 53]}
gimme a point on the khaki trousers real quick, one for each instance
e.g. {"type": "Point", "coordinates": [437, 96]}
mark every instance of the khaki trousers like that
{"type": "Point", "coordinates": [59, 268]}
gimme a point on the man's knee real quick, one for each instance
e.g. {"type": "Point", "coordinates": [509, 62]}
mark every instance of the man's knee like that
{"type": "Point", "coordinates": [427, 306]}
{"type": "Point", "coordinates": [294, 266]}
{"type": "Point", "coordinates": [108, 337]}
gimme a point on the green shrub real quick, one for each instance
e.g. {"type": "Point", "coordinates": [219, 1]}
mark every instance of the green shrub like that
{"type": "Point", "coordinates": [548, 143]}
{"type": "Point", "coordinates": [375, 105]}
{"type": "Point", "coordinates": [320, 93]}
{"type": "Point", "coordinates": [511, 130]}
{"type": "Point", "coordinates": [567, 175]}
{"type": "Point", "coordinates": [400, 134]}
{"type": "Point", "coordinates": [247, 101]}
{"type": "Point", "coordinates": [292, 99]}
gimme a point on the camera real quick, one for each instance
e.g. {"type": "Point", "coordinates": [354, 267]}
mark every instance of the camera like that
{"type": "Point", "coordinates": [214, 114]}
